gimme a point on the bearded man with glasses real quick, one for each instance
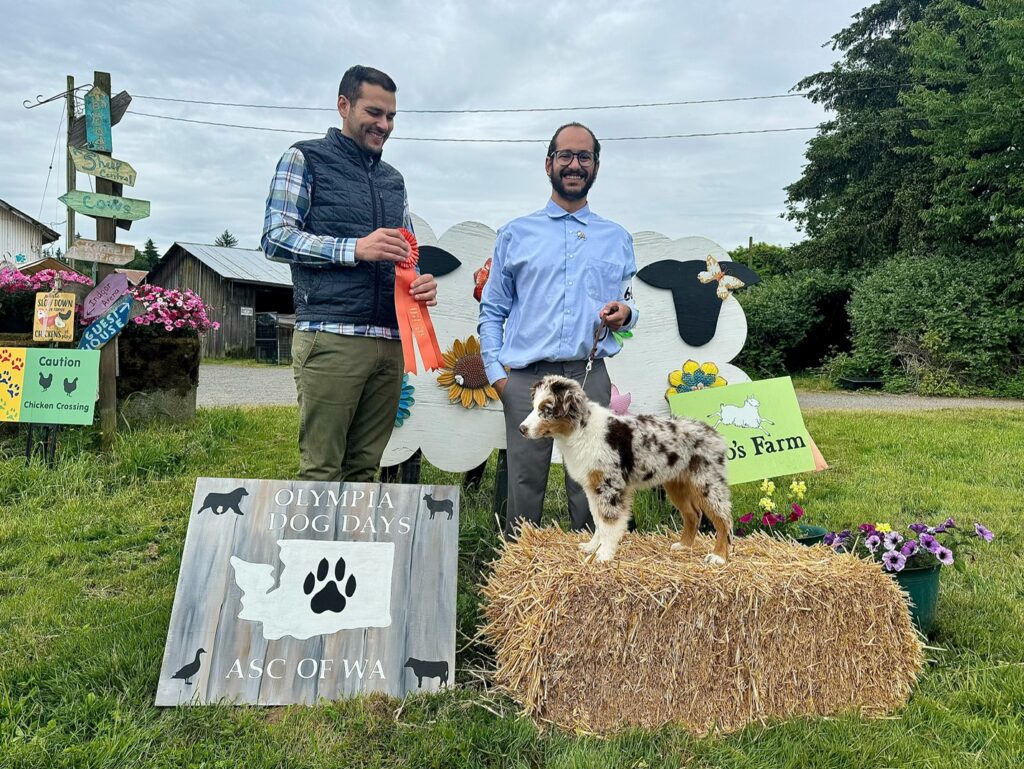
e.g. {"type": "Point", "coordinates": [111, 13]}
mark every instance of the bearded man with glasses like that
{"type": "Point", "coordinates": [557, 275]}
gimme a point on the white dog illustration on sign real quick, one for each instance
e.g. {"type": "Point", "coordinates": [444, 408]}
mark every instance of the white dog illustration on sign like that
{"type": "Point", "coordinates": [746, 415]}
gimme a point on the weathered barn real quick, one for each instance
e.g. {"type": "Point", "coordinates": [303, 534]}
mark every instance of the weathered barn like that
{"type": "Point", "coordinates": [237, 284]}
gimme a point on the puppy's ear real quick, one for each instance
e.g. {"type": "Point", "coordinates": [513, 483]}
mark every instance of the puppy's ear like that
{"type": "Point", "coordinates": [533, 388]}
{"type": "Point", "coordinates": [570, 401]}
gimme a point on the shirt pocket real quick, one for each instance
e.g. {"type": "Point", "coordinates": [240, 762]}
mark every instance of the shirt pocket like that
{"type": "Point", "coordinates": [603, 280]}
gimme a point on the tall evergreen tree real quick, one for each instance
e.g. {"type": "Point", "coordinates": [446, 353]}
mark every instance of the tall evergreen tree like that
{"type": "Point", "coordinates": [226, 239]}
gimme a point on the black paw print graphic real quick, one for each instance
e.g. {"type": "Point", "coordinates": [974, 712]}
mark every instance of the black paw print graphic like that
{"type": "Point", "coordinates": [329, 597]}
{"type": "Point", "coordinates": [14, 390]}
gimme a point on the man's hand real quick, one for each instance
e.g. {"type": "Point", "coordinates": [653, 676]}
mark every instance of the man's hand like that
{"type": "Point", "coordinates": [424, 289]}
{"type": "Point", "coordinates": [500, 385]}
{"type": "Point", "coordinates": [615, 315]}
{"type": "Point", "coordinates": [382, 245]}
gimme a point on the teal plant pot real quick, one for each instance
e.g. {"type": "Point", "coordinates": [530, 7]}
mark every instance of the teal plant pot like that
{"type": "Point", "coordinates": [810, 535]}
{"type": "Point", "coordinates": [922, 589]}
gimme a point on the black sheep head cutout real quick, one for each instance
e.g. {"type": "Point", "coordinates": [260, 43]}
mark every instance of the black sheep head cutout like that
{"type": "Point", "coordinates": [697, 304]}
{"type": "Point", "coordinates": [437, 262]}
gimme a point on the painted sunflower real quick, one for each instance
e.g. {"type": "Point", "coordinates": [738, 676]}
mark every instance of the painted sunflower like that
{"type": "Point", "coordinates": [405, 402]}
{"type": "Point", "coordinates": [694, 376]}
{"type": "Point", "coordinates": [463, 374]}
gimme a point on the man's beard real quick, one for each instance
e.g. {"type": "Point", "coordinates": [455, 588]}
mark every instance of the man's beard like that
{"type": "Point", "coordinates": [559, 186]}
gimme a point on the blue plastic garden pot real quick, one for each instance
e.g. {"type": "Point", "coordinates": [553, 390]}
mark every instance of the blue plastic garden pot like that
{"type": "Point", "coordinates": [922, 589]}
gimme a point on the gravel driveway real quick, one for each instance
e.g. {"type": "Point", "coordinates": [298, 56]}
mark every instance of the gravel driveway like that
{"type": "Point", "coordinates": [223, 384]}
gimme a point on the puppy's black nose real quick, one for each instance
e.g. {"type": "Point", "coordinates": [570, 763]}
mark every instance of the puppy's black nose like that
{"type": "Point", "coordinates": [522, 429]}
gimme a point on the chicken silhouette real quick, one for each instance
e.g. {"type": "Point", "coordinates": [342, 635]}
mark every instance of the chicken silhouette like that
{"type": "Point", "coordinates": [70, 387]}
{"type": "Point", "coordinates": [61, 321]}
{"type": "Point", "coordinates": [190, 669]}
{"type": "Point", "coordinates": [45, 381]}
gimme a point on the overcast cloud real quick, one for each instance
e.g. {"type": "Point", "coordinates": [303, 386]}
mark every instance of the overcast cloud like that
{"type": "Point", "coordinates": [443, 55]}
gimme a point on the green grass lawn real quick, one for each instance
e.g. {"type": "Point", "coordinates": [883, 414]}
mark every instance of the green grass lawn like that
{"type": "Point", "coordinates": [89, 556]}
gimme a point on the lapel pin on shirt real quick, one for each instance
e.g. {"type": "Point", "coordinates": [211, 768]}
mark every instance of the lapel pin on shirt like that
{"type": "Point", "coordinates": [581, 235]}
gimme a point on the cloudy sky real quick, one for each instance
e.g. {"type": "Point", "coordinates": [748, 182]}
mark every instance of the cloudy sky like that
{"type": "Point", "coordinates": [444, 55]}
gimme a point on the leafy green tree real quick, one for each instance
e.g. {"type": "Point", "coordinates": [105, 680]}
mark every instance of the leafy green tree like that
{"type": "Point", "coordinates": [861, 191]}
{"type": "Point", "coordinates": [226, 239]}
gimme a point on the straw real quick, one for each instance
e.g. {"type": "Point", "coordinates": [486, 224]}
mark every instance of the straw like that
{"type": "Point", "coordinates": [658, 636]}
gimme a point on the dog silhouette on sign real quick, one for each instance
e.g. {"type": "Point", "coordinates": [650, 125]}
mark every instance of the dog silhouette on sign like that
{"type": "Point", "coordinates": [220, 503]}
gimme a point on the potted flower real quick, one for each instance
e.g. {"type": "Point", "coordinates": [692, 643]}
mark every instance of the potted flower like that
{"type": "Point", "coordinates": [159, 352]}
{"type": "Point", "coordinates": [913, 557]}
{"type": "Point", "coordinates": [782, 518]}
{"type": "Point", "coordinates": [18, 295]}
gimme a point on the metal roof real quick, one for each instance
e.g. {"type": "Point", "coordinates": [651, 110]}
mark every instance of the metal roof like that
{"type": "Point", "coordinates": [246, 265]}
{"type": "Point", "coordinates": [49, 235]}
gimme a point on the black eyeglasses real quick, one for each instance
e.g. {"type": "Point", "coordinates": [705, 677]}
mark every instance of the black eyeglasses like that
{"type": "Point", "coordinates": [564, 157]}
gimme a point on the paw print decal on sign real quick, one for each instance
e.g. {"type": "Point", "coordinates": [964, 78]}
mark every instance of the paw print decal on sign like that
{"type": "Point", "coordinates": [329, 597]}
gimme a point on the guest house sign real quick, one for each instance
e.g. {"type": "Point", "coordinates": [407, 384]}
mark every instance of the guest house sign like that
{"type": "Point", "coordinates": [290, 591]}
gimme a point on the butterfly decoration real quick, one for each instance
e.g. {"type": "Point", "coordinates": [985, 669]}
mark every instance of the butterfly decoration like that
{"type": "Point", "coordinates": [620, 401]}
{"type": "Point", "coordinates": [726, 283]}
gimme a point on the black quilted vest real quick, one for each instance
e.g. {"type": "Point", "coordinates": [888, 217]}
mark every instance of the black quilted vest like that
{"type": "Point", "coordinates": [353, 194]}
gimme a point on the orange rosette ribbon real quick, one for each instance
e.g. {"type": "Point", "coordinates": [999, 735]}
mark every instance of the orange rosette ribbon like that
{"type": "Point", "coordinates": [413, 318]}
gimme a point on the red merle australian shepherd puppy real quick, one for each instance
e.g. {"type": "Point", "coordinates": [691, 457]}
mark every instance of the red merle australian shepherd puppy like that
{"type": "Point", "coordinates": [612, 456]}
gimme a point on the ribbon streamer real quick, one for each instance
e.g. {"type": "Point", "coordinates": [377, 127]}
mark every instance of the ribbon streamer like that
{"type": "Point", "coordinates": [413, 318]}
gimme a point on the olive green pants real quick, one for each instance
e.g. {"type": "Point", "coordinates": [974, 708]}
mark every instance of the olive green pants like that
{"type": "Point", "coordinates": [348, 389]}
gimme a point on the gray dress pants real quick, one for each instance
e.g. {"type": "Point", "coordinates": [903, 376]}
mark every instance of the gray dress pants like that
{"type": "Point", "coordinates": [529, 460]}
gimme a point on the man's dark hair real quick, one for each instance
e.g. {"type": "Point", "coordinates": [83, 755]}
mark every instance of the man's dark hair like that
{"type": "Point", "coordinates": [554, 139]}
{"type": "Point", "coordinates": [352, 81]}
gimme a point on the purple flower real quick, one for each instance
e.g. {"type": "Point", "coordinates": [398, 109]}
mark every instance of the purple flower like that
{"type": "Point", "coordinates": [894, 561]}
{"type": "Point", "coordinates": [945, 556]}
{"type": "Point", "coordinates": [918, 528]}
{"type": "Point", "coordinates": [931, 544]}
{"type": "Point", "coordinates": [872, 542]}
{"type": "Point", "coordinates": [909, 548]}
{"type": "Point", "coordinates": [949, 523]}
{"type": "Point", "coordinates": [830, 539]}
{"type": "Point", "coordinates": [984, 533]}
{"type": "Point", "coordinates": [867, 528]}
{"type": "Point", "coordinates": [893, 540]}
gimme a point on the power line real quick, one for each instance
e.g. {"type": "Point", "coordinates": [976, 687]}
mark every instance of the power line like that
{"type": "Point", "coordinates": [50, 169]}
{"type": "Point", "coordinates": [482, 141]}
{"type": "Point", "coordinates": [533, 109]}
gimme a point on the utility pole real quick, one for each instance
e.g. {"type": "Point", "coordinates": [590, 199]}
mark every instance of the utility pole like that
{"type": "Point", "coordinates": [106, 232]}
{"type": "Point", "coordinates": [750, 252]}
{"type": "Point", "coordinates": [71, 171]}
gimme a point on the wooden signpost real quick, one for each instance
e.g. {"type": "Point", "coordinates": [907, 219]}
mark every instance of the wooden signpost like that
{"type": "Point", "coordinates": [103, 329]}
{"type": "Point", "coordinates": [118, 106]}
{"type": "Point", "coordinates": [54, 317]}
{"type": "Point", "coordinates": [97, 120]}
{"type": "Point", "coordinates": [94, 164]}
{"type": "Point", "coordinates": [103, 297]}
{"type": "Point", "coordinates": [106, 206]}
{"type": "Point", "coordinates": [105, 253]}
{"type": "Point", "coordinates": [292, 591]}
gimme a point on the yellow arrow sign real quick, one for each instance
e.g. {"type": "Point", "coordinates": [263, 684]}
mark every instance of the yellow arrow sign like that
{"type": "Point", "coordinates": [92, 163]}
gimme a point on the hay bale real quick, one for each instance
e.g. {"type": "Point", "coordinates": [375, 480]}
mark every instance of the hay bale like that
{"type": "Point", "coordinates": [658, 636]}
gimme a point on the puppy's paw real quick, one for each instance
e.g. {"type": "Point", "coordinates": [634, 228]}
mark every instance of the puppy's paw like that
{"type": "Point", "coordinates": [714, 560]}
{"type": "Point", "coordinates": [604, 554]}
{"type": "Point", "coordinates": [589, 547]}
{"type": "Point", "coordinates": [677, 546]}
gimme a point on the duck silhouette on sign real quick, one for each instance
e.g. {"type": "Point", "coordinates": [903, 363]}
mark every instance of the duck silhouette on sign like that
{"type": "Point", "coordinates": [698, 286]}
{"type": "Point", "coordinates": [190, 669]}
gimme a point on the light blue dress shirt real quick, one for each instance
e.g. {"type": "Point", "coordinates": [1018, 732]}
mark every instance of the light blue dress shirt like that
{"type": "Point", "coordinates": [551, 274]}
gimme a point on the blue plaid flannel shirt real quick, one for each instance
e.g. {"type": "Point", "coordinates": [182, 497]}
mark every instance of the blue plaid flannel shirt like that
{"type": "Point", "coordinates": [285, 241]}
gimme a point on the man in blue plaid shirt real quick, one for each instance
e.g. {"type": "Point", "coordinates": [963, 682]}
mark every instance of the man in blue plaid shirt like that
{"type": "Point", "coordinates": [333, 215]}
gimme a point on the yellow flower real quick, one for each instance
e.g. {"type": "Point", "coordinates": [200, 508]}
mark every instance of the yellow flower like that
{"type": "Point", "coordinates": [883, 528]}
{"type": "Point", "coordinates": [767, 486]}
{"type": "Point", "coordinates": [463, 375]}
{"type": "Point", "coordinates": [798, 489]}
{"type": "Point", "coordinates": [767, 504]}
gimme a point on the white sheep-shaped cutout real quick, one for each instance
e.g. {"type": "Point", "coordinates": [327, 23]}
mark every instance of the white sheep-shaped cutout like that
{"type": "Point", "coordinates": [457, 439]}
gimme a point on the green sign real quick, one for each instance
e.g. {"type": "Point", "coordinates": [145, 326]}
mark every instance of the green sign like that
{"type": "Point", "coordinates": [48, 385]}
{"type": "Point", "coordinates": [108, 206]}
{"type": "Point", "coordinates": [97, 120]}
{"type": "Point", "coordinates": [104, 166]}
{"type": "Point", "coordinates": [761, 424]}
